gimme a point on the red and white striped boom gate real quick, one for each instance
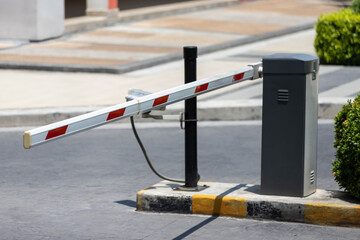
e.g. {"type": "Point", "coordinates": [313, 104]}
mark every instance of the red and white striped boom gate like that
{"type": "Point", "coordinates": [143, 104]}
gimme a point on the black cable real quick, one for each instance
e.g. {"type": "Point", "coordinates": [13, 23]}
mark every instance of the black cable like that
{"type": "Point", "coordinates": [146, 156]}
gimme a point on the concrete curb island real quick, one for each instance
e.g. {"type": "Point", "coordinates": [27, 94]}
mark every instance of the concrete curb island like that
{"type": "Point", "coordinates": [324, 207]}
{"type": "Point", "coordinates": [138, 65]}
{"type": "Point", "coordinates": [221, 110]}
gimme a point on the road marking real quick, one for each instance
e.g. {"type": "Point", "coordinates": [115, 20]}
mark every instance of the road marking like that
{"type": "Point", "coordinates": [139, 197]}
{"type": "Point", "coordinates": [332, 214]}
{"type": "Point", "coordinates": [219, 205]}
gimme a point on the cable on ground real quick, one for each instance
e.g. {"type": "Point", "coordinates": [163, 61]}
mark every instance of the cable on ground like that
{"type": "Point", "coordinates": [146, 156]}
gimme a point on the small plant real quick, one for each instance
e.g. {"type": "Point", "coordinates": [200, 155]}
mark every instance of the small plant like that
{"type": "Point", "coordinates": [355, 6]}
{"type": "Point", "coordinates": [337, 38]}
{"type": "Point", "coordinates": [346, 166]}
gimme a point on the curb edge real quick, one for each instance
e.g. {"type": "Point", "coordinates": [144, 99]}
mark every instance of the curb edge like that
{"type": "Point", "coordinates": [238, 207]}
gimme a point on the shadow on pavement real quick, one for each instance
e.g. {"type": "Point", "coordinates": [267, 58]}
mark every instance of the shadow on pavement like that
{"type": "Point", "coordinates": [129, 203]}
{"type": "Point", "coordinates": [195, 228]}
{"type": "Point", "coordinates": [216, 211]}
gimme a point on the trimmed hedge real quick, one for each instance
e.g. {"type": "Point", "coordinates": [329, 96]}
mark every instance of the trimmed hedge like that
{"type": "Point", "coordinates": [355, 5]}
{"type": "Point", "coordinates": [338, 38]}
{"type": "Point", "coordinates": [346, 166]}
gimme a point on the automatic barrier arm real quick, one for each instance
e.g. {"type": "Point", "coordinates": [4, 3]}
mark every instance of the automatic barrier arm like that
{"type": "Point", "coordinates": [143, 104]}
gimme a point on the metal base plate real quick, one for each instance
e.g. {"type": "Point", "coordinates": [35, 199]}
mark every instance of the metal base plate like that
{"type": "Point", "coordinates": [191, 189]}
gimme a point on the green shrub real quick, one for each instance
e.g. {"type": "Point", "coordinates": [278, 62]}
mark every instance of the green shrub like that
{"type": "Point", "coordinates": [346, 166]}
{"type": "Point", "coordinates": [337, 38]}
{"type": "Point", "coordinates": [355, 5]}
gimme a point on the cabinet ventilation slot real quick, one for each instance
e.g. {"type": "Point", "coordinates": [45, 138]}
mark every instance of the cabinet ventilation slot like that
{"type": "Point", "coordinates": [312, 176]}
{"type": "Point", "coordinates": [283, 96]}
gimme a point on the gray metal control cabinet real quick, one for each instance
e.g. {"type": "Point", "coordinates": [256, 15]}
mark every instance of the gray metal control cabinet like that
{"type": "Point", "coordinates": [289, 125]}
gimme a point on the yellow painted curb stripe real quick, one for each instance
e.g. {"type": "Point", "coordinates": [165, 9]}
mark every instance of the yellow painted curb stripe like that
{"type": "Point", "coordinates": [332, 214]}
{"type": "Point", "coordinates": [219, 205]}
{"type": "Point", "coordinates": [139, 198]}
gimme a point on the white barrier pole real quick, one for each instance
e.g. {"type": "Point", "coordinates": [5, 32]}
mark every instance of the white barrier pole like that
{"type": "Point", "coordinates": [143, 104]}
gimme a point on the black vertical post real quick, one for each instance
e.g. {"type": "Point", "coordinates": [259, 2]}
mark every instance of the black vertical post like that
{"type": "Point", "coordinates": [191, 170]}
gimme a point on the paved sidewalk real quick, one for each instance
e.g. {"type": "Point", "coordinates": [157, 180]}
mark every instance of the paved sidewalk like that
{"type": "Point", "coordinates": [40, 97]}
{"type": "Point", "coordinates": [134, 45]}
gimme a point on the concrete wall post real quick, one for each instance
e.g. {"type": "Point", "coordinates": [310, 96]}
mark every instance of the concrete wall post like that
{"type": "Point", "coordinates": [33, 20]}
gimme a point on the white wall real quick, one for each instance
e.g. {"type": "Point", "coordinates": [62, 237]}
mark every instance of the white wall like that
{"type": "Point", "coordinates": [97, 4]}
{"type": "Point", "coordinates": [31, 19]}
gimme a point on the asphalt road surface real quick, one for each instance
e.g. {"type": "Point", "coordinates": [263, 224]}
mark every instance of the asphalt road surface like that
{"type": "Point", "coordinates": [84, 186]}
